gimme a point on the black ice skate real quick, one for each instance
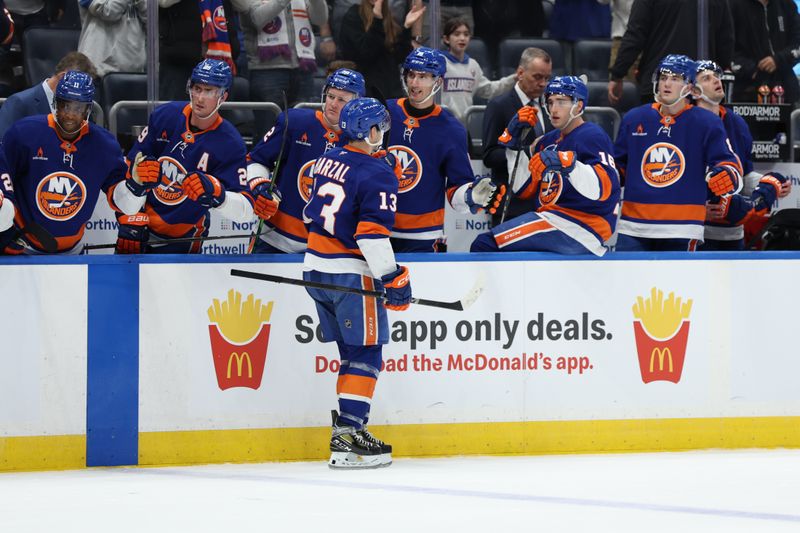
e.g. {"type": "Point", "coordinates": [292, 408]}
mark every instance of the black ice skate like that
{"type": "Point", "coordinates": [386, 449]}
{"type": "Point", "coordinates": [349, 449]}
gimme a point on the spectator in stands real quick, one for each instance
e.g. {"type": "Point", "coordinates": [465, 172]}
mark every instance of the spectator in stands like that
{"type": "Point", "coordinates": [27, 14]}
{"type": "Point", "coordinates": [657, 28]}
{"type": "Point", "coordinates": [378, 45]}
{"type": "Point", "coordinates": [280, 48]}
{"type": "Point", "coordinates": [534, 71]}
{"type": "Point", "coordinates": [574, 20]}
{"type": "Point", "coordinates": [6, 35]}
{"type": "Point", "coordinates": [399, 8]}
{"type": "Point", "coordinates": [767, 47]}
{"type": "Point", "coordinates": [447, 9]}
{"type": "Point", "coordinates": [185, 38]}
{"type": "Point", "coordinates": [38, 100]}
{"type": "Point", "coordinates": [112, 34]}
{"type": "Point", "coordinates": [620, 13]}
{"type": "Point", "coordinates": [464, 78]}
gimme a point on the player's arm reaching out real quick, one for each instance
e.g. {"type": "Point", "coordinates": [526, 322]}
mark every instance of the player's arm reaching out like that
{"type": "Point", "coordinates": [376, 218]}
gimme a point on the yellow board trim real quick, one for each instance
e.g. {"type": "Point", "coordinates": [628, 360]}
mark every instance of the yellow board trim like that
{"type": "Point", "coordinates": [508, 438]}
{"type": "Point", "coordinates": [52, 452]}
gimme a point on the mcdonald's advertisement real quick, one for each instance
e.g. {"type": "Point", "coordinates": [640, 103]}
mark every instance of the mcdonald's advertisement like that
{"type": "Point", "coordinates": [544, 340]}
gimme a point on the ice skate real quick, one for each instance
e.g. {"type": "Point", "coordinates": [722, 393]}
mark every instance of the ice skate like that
{"type": "Point", "coordinates": [386, 449]}
{"type": "Point", "coordinates": [349, 449]}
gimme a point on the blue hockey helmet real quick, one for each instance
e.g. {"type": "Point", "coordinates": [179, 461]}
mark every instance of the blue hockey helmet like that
{"type": "Point", "coordinates": [679, 65]}
{"type": "Point", "coordinates": [75, 86]}
{"type": "Point", "coordinates": [425, 59]}
{"type": "Point", "coordinates": [348, 80]}
{"type": "Point", "coordinates": [571, 86]}
{"type": "Point", "coordinates": [360, 115]}
{"type": "Point", "coordinates": [214, 72]}
{"type": "Point", "coordinates": [707, 64]}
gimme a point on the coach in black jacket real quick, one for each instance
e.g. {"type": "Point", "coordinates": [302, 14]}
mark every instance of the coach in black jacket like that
{"type": "Point", "coordinates": [660, 27]}
{"type": "Point", "coordinates": [534, 71]}
{"type": "Point", "coordinates": [767, 47]}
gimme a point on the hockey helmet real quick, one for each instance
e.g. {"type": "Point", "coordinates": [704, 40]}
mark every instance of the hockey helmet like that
{"type": "Point", "coordinates": [360, 115]}
{"type": "Point", "coordinates": [348, 80]}
{"type": "Point", "coordinates": [75, 86]}
{"type": "Point", "coordinates": [425, 59]}
{"type": "Point", "coordinates": [679, 65]}
{"type": "Point", "coordinates": [707, 64]}
{"type": "Point", "coordinates": [214, 72]}
{"type": "Point", "coordinates": [571, 86]}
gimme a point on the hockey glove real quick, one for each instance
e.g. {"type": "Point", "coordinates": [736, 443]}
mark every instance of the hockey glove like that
{"type": "Point", "coordinates": [144, 174]}
{"type": "Point", "coordinates": [133, 234]}
{"type": "Point", "coordinates": [551, 161]}
{"type": "Point", "coordinates": [392, 161]}
{"type": "Point", "coordinates": [767, 191]}
{"type": "Point", "coordinates": [267, 202]}
{"type": "Point", "coordinates": [721, 180]}
{"type": "Point", "coordinates": [397, 286]}
{"type": "Point", "coordinates": [514, 134]}
{"type": "Point", "coordinates": [204, 189]}
{"type": "Point", "coordinates": [483, 193]}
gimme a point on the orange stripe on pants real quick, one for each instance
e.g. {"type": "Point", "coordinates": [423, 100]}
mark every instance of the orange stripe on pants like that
{"type": "Point", "coordinates": [356, 385]}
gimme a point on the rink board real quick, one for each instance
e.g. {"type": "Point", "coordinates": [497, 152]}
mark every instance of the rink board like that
{"type": "Point", "coordinates": [120, 362]}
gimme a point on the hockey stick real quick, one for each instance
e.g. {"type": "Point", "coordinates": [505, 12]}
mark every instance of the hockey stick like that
{"type": "Point", "coordinates": [87, 247]}
{"type": "Point", "coordinates": [512, 178]}
{"type": "Point", "coordinates": [46, 240]}
{"type": "Point", "coordinates": [459, 305]}
{"type": "Point", "coordinates": [274, 181]}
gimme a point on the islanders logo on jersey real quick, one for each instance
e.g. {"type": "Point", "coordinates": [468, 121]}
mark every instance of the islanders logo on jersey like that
{"type": "Point", "coordinates": [411, 165]}
{"type": "Point", "coordinates": [220, 22]}
{"type": "Point", "coordinates": [550, 188]}
{"type": "Point", "coordinates": [305, 180]}
{"type": "Point", "coordinates": [663, 164]}
{"type": "Point", "coordinates": [60, 195]}
{"type": "Point", "coordinates": [170, 190]}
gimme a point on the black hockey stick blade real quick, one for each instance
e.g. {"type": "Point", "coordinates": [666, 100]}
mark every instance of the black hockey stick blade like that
{"type": "Point", "coordinates": [458, 305]}
{"type": "Point", "coordinates": [46, 240]}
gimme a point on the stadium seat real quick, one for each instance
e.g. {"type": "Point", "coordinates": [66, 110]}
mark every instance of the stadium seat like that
{"type": "Point", "coordinates": [43, 48]}
{"type": "Point", "coordinates": [241, 118]}
{"type": "Point", "coordinates": [117, 86]}
{"type": "Point", "coordinates": [479, 52]}
{"type": "Point", "coordinates": [510, 51]}
{"type": "Point", "coordinates": [474, 122]}
{"type": "Point", "coordinates": [591, 57]}
{"type": "Point", "coordinates": [598, 95]}
{"type": "Point", "coordinates": [606, 117]}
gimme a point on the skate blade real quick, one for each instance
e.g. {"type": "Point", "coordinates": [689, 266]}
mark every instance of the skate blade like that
{"type": "Point", "coordinates": [349, 460]}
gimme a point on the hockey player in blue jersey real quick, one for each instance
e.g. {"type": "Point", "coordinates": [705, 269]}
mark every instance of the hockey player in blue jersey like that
{"type": "Point", "coordinates": [55, 167]}
{"type": "Point", "coordinates": [200, 166]}
{"type": "Point", "coordinates": [311, 133]}
{"type": "Point", "coordinates": [671, 156]}
{"type": "Point", "coordinates": [431, 147]}
{"type": "Point", "coordinates": [725, 217]}
{"type": "Point", "coordinates": [572, 180]}
{"type": "Point", "coordinates": [350, 214]}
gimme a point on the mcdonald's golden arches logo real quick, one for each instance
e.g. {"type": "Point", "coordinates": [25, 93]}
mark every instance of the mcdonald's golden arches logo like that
{"type": "Point", "coordinates": [239, 332]}
{"type": "Point", "coordinates": [661, 329]}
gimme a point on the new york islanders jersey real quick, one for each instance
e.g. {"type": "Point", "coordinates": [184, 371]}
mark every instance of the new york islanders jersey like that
{"type": "Point", "coordinates": [353, 197]}
{"type": "Point", "coordinates": [742, 142]}
{"type": "Point", "coordinates": [56, 182]}
{"type": "Point", "coordinates": [583, 204]}
{"type": "Point", "coordinates": [663, 161]}
{"type": "Point", "coordinates": [433, 153]}
{"type": "Point", "coordinates": [308, 138]}
{"type": "Point", "coordinates": [218, 150]}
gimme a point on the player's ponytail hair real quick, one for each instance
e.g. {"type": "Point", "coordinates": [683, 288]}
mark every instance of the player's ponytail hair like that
{"type": "Point", "coordinates": [390, 28]}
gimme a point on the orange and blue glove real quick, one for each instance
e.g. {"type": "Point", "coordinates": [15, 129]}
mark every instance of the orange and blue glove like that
{"type": "Point", "coordinates": [397, 286]}
{"type": "Point", "coordinates": [514, 134]}
{"type": "Point", "coordinates": [266, 202]}
{"type": "Point", "coordinates": [204, 189]}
